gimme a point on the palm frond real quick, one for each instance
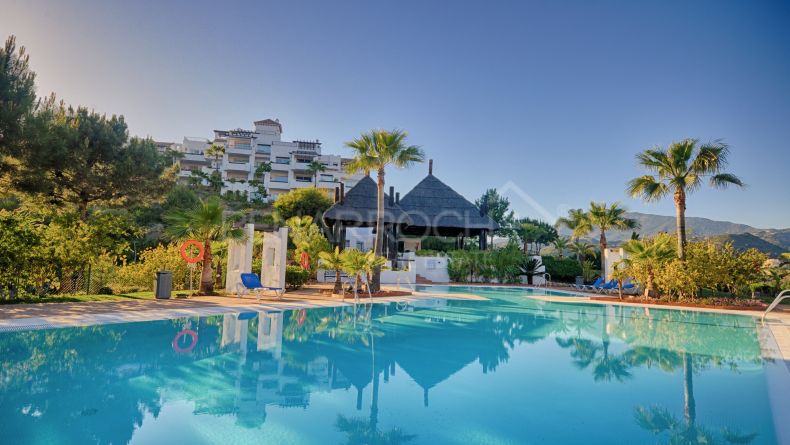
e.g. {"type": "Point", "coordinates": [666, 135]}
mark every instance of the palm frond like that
{"type": "Point", "coordinates": [723, 180]}
{"type": "Point", "coordinates": [647, 187]}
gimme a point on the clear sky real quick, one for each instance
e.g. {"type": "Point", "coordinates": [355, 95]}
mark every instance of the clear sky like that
{"type": "Point", "coordinates": [550, 100]}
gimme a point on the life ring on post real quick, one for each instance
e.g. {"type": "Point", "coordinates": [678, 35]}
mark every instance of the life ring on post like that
{"type": "Point", "coordinates": [186, 332]}
{"type": "Point", "coordinates": [301, 317]}
{"type": "Point", "coordinates": [304, 260]}
{"type": "Point", "coordinates": [192, 259]}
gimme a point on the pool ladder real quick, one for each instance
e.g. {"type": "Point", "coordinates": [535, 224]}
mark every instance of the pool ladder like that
{"type": "Point", "coordinates": [776, 302]}
{"type": "Point", "coordinates": [546, 279]}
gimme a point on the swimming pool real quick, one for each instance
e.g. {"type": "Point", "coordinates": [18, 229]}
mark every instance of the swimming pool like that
{"type": "Point", "coordinates": [504, 371]}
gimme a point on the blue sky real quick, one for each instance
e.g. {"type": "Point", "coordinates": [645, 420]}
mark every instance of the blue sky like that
{"type": "Point", "coordinates": [550, 100]}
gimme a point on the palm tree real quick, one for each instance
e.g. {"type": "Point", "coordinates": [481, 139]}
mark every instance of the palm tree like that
{"type": "Point", "coordinates": [354, 264]}
{"type": "Point", "coordinates": [333, 260]}
{"type": "Point", "coordinates": [582, 249]}
{"type": "Point", "coordinates": [577, 221]}
{"type": "Point", "coordinates": [207, 223]}
{"type": "Point", "coordinates": [648, 255]}
{"type": "Point", "coordinates": [561, 244]}
{"type": "Point", "coordinates": [315, 167]}
{"type": "Point", "coordinates": [377, 150]}
{"type": "Point", "coordinates": [216, 151]}
{"type": "Point", "coordinates": [680, 170]}
{"type": "Point", "coordinates": [601, 215]}
{"type": "Point", "coordinates": [259, 178]}
{"type": "Point", "coordinates": [608, 217]}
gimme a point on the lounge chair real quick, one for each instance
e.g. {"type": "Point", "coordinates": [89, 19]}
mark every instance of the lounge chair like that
{"type": "Point", "coordinates": [612, 284]}
{"type": "Point", "coordinates": [251, 282]}
{"type": "Point", "coordinates": [595, 286]}
{"type": "Point", "coordinates": [627, 287]}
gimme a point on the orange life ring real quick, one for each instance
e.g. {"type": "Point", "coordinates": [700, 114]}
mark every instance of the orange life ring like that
{"type": "Point", "coordinates": [304, 260]}
{"type": "Point", "coordinates": [177, 347]}
{"type": "Point", "coordinates": [300, 318]}
{"type": "Point", "coordinates": [192, 259]}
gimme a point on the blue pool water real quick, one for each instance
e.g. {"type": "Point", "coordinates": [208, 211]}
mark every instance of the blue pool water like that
{"type": "Point", "coordinates": [510, 370]}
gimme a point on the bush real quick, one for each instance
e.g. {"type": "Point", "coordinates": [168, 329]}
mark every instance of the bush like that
{"type": "Point", "coordinates": [428, 252]}
{"type": "Point", "coordinates": [437, 243]}
{"type": "Point", "coordinates": [141, 275]}
{"type": "Point", "coordinates": [295, 277]}
{"type": "Point", "coordinates": [104, 291]}
{"type": "Point", "coordinates": [566, 269]}
{"type": "Point", "coordinates": [302, 202]}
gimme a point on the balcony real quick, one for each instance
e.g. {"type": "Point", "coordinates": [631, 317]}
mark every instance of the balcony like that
{"type": "Point", "coordinates": [236, 166]}
{"type": "Point", "coordinates": [279, 179]}
{"type": "Point", "coordinates": [263, 149]}
{"type": "Point", "coordinates": [194, 157]}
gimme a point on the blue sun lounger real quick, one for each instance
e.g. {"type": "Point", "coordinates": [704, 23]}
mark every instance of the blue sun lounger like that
{"type": "Point", "coordinates": [595, 286]}
{"type": "Point", "coordinates": [251, 282]}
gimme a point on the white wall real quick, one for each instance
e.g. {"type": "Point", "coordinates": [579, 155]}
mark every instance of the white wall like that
{"type": "Point", "coordinates": [433, 268]}
{"type": "Point", "coordinates": [612, 255]}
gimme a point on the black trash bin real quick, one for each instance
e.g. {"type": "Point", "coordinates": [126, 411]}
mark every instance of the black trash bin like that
{"type": "Point", "coordinates": [164, 284]}
{"type": "Point", "coordinates": [579, 281]}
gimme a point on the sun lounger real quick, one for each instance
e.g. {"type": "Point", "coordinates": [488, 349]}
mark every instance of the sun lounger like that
{"type": "Point", "coordinates": [595, 286]}
{"type": "Point", "coordinates": [251, 282]}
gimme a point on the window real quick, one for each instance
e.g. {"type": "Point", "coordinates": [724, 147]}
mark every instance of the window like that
{"type": "Point", "coordinates": [282, 160]}
{"type": "Point", "coordinates": [361, 245]}
{"type": "Point", "coordinates": [327, 178]}
{"type": "Point", "coordinates": [278, 179]}
{"type": "Point", "coordinates": [300, 178]}
{"type": "Point", "coordinates": [263, 148]}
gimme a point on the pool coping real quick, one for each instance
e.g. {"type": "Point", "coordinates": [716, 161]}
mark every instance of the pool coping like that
{"type": "Point", "coordinates": [201, 308]}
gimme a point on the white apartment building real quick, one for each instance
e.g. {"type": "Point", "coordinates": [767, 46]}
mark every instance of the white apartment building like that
{"type": "Point", "coordinates": [245, 150]}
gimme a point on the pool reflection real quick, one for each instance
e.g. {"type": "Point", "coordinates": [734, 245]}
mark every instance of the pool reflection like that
{"type": "Point", "coordinates": [98, 384]}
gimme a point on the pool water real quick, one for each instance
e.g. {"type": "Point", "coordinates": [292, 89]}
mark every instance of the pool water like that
{"type": "Point", "coordinates": [510, 370]}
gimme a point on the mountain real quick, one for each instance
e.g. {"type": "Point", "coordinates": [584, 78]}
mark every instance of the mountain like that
{"type": "Point", "coordinates": [695, 226]}
{"type": "Point", "coordinates": [770, 241]}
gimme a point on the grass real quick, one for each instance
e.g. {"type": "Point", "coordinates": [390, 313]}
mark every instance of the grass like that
{"type": "Point", "coordinates": [149, 295]}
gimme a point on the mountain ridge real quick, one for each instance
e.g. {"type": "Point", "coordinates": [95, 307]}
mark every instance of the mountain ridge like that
{"type": "Point", "coordinates": [743, 236]}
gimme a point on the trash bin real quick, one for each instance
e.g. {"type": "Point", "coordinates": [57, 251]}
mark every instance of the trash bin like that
{"type": "Point", "coordinates": [164, 284]}
{"type": "Point", "coordinates": [579, 281]}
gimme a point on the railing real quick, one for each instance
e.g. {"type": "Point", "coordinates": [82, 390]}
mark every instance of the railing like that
{"type": "Point", "coordinates": [776, 302]}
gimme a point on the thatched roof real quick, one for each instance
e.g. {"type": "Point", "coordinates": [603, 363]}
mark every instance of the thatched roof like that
{"type": "Point", "coordinates": [437, 209]}
{"type": "Point", "coordinates": [359, 207]}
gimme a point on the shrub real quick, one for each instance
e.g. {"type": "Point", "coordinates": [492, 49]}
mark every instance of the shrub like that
{"type": "Point", "coordinates": [566, 269]}
{"type": "Point", "coordinates": [437, 243]}
{"type": "Point", "coordinates": [295, 277]}
{"type": "Point", "coordinates": [104, 291]}
{"type": "Point", "coordinates": [141, 275]}
{"type": "Point", "coordinates": [302, 202]}
{"type": "Point", "coordinates": [428, 252]}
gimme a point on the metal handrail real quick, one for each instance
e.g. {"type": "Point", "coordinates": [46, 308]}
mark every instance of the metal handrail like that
{"type": "Point", "coordinates": [775, 303]}
{"type": "Point", "coordinates": [546, 279]}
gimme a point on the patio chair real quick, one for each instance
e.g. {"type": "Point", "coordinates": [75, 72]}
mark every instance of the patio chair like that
{"type": "Point", "coordinates": [595, 286]}
{"type": "Point", "coordinates": [612, 284]}
{"type": "Point", "coordinates": [251, 282]}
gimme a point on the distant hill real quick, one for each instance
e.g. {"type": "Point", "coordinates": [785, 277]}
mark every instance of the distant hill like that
{"type": "Point", "coordinates": [743, 241]}
{"type": "Point", "coordinates": [770, 241]}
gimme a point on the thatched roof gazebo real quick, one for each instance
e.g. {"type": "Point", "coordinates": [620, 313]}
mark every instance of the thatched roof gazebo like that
{"type": "Point", "coordinates": [357, 208]}
{"type": "Point", "coordinates": [432, 208]}
{"type": "Point", "coordinates": [436, 209]}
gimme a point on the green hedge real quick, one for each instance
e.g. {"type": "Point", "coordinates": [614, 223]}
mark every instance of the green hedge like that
{"type": "Point", "coordinates": [566, 269]}
{"type": "Point", "coordinates": [295, 277]}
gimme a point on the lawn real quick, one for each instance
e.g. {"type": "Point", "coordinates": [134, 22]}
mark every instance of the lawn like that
{"type": "Point", "coordinates": [149, 295]}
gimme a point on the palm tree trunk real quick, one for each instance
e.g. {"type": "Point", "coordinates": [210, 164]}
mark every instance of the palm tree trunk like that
{"type": "Point", "coordinates": [602, 242]}
{"type": "Point", "coordinates": [338, 284]}
{"type": "Point", "coordinates": [689, 404]}
{"type": "Point", "coordinates": [379, 246]}
{"type": "Point", "coordinates": [680, 211]}
{"type": "Point", "coordinates": [207, 275]}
